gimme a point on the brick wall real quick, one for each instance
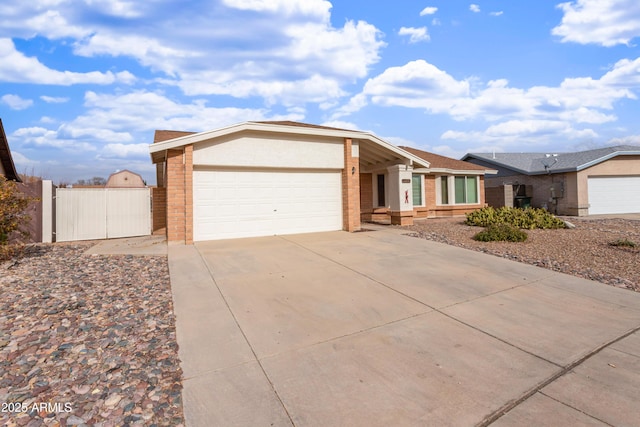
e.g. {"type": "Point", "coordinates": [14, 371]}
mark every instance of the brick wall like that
{"type": "Point", "coordinates": [366, 196]}
{"type": "Point", "coordinates": [175, 196]}
{"type": "Point", "coordinates": [159, 208]}
{"type": "Point", "coordinates": [350, 189]}
{"type": "Point", "coordinates": [179, 178]}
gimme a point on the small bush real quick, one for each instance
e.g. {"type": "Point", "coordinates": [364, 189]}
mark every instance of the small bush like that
{"type": "Point", "coordinates": [528, 218]}
{"type": "Point", "coordinates": [13, 205]}
{"type": "Point", "coordinates": [501, 233]}
{"type": "Point", "coordinates": [625, 243]}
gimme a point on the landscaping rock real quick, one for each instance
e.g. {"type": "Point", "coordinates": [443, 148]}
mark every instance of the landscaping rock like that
{"type": "Point", "coordinates": [83, 337]}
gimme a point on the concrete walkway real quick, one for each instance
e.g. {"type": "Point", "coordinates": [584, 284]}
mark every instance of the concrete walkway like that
{"type": "Point", "coordinates": [379, 329]}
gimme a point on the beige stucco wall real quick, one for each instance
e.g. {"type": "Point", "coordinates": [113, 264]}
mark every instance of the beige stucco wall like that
{"type": "Point", "coordinates": [256, 150]}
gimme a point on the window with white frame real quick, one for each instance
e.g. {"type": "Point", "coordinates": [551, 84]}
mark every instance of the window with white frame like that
{"type": "Point", "coordinates": [459, 190]}
{"type": "Point", "coordinates": [416, 189]}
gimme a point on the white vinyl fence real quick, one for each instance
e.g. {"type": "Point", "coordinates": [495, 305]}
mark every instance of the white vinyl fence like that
{"type": "Point", "coordinates": [102, 213]}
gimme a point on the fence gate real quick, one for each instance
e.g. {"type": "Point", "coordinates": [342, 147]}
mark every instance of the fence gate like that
{"type": "Point", "coordinates": [102, 213]}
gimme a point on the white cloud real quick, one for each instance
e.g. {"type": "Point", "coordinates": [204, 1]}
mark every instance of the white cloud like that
{"type": "Point", "coordinates": [42, 137]}
{"type": "Point", "coordinates": [293, 54]}
{"type": "Point", "coordinates": [15, 102]}
{"type": "Point", "coordinates": [435, 22]}
{"type": "Point", "coordinates": [499, 13]}
{"type": "Point", "coordinates": [306, 7]}
{"type": "Point", "coordinates": [604, 22]}
{"type": "Point", "coordinates": [417, 84]}
{"type": "Point", "coordinates": [626, 140]}
{"type": "Point", "coordinates": [15, 67]}
{"type": "Point", "coordinates": [415, 34]}
{"type": "Point", "coordinates": [339, 124]}
{"type": "Point", "coordinates": [429, 10]}
{"type": "Point", "coordinates": [524, 132]}
{"type": "Point", "coordinates": [125, 150]}
{"type": "Point", "coordinates": [539, 112]}
{"type": "Point", "coordinates": [54, 100]}
{"type": "Point", "coordinates": [474, 8]}
{"type": "Point", "coordinates": [117, 8]}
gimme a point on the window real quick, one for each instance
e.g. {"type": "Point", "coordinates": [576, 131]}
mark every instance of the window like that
{"type": "Point", "coordinates": [466, 189]}
{"type": "Point", "coordinates": [416, 189]}
{"type": "Point", "coordinates": [381, 201]}
{"type": "Point", "coordinates": [444, 190]}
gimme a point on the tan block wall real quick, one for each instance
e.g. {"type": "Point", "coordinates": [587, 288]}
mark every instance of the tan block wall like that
{"type": "Point", "coordinates": [159, 207]}
{"type": "Point", "coordinates": [539, 189]}
{"type": "Point", "coordinates": [350, 189]}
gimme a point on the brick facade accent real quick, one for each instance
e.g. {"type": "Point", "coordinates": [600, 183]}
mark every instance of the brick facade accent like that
{"type": "Point", "coordinates": [179, 195]}
{"type": "Point", "coordinates": [159, 208]}
{"type": "Point", "coordinates": [188, 194]}
{"type": "Point", "coordinates": [350, 189]}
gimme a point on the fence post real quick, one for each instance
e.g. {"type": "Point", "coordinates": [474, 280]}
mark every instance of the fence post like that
{"type": "Point", "coordinates": [47, 211]}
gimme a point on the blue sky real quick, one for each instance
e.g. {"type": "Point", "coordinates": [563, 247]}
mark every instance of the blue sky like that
{"type": "Point", "coordinates": [84, 83]}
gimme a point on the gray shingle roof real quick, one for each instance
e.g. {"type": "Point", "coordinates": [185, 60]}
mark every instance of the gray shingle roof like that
{"type": "Point", "coordinates": [539, 163]}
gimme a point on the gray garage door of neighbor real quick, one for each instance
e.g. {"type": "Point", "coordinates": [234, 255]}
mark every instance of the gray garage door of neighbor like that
{"type": "Point", "coordinates": [614, 195]}
{"type": "Point", "coordinates": [251, 203]}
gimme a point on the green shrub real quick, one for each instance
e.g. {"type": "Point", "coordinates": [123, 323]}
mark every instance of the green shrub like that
{"type": "Point", "coordinates": [501, 233]}
{"type": "Point", "coordinates": [626, 243]}
{"type": "Point", "coordinates": [528, 218]}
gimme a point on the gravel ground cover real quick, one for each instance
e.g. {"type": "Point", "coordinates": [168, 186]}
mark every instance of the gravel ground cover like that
{"type": "Point", "coordinates": [87, 340]}
{"type": "Point", "coordinates": [584, 251]}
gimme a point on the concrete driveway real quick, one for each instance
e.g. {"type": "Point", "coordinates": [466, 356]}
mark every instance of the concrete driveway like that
{"type": "Point", "coordinates": [378, 329]}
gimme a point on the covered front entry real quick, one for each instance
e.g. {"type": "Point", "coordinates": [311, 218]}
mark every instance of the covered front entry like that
{"type": "Point", "coordinates": [251, 203]}
{"type": "Point", "coordinates": [614, 195]}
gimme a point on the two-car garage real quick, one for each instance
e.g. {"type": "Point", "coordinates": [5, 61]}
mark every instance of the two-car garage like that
{"type": "Point", "coordinates": [247, 203]}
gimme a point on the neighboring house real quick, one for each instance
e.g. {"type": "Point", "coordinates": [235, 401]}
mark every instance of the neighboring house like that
{"type": "Point", "coordinates": [600, 181]}
{"type": "Point", "coordinates": [267, 178]}
{"type": "Point", "coordinates": [7, 167]}
{"type": "Point", "coordinates": [125, 179]}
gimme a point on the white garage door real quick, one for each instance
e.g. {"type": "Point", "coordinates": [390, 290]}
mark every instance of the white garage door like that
{"type": "Point", "coordinates": [613, 195]}
{"type": "Point", "coordinates": [229, 204]}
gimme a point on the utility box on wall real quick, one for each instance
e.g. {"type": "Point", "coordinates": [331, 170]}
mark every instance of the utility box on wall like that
{"type": "Point", "coordinates": [556, 190]}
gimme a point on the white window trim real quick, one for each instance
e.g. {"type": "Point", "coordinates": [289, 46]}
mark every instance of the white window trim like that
{"type": "Point", "coordinates": [374, 185]}
{"type": "Point", "coordinates": [452, 190]}
{"type": "Point", "coordinates": [422, 195]}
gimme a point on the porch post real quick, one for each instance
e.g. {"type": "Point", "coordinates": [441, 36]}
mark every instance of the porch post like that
{"type": "Point", "coordinates": [400, 196]}
{"type": "Point", "coordinates": [351, 186]}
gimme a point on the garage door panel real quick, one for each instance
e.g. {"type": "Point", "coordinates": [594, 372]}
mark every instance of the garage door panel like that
{"type": "Point", "coordinates": [230, 204]}
{"type": "Point", "coordinates": [614, 195]}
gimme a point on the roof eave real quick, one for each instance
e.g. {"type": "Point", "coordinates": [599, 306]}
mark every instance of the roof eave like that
{"type": "Point", "coordinates": [607, 157]}
{"type": "Point", "coordinates": [6, 158]}
{"type": "Point", "coordinates": [160, 147]}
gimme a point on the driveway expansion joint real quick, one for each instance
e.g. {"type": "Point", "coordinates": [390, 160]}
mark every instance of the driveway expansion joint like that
{"type": "Point", "coordinates": [499, 413]}
{"type": "Point", "coordinates": [244, 335]}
